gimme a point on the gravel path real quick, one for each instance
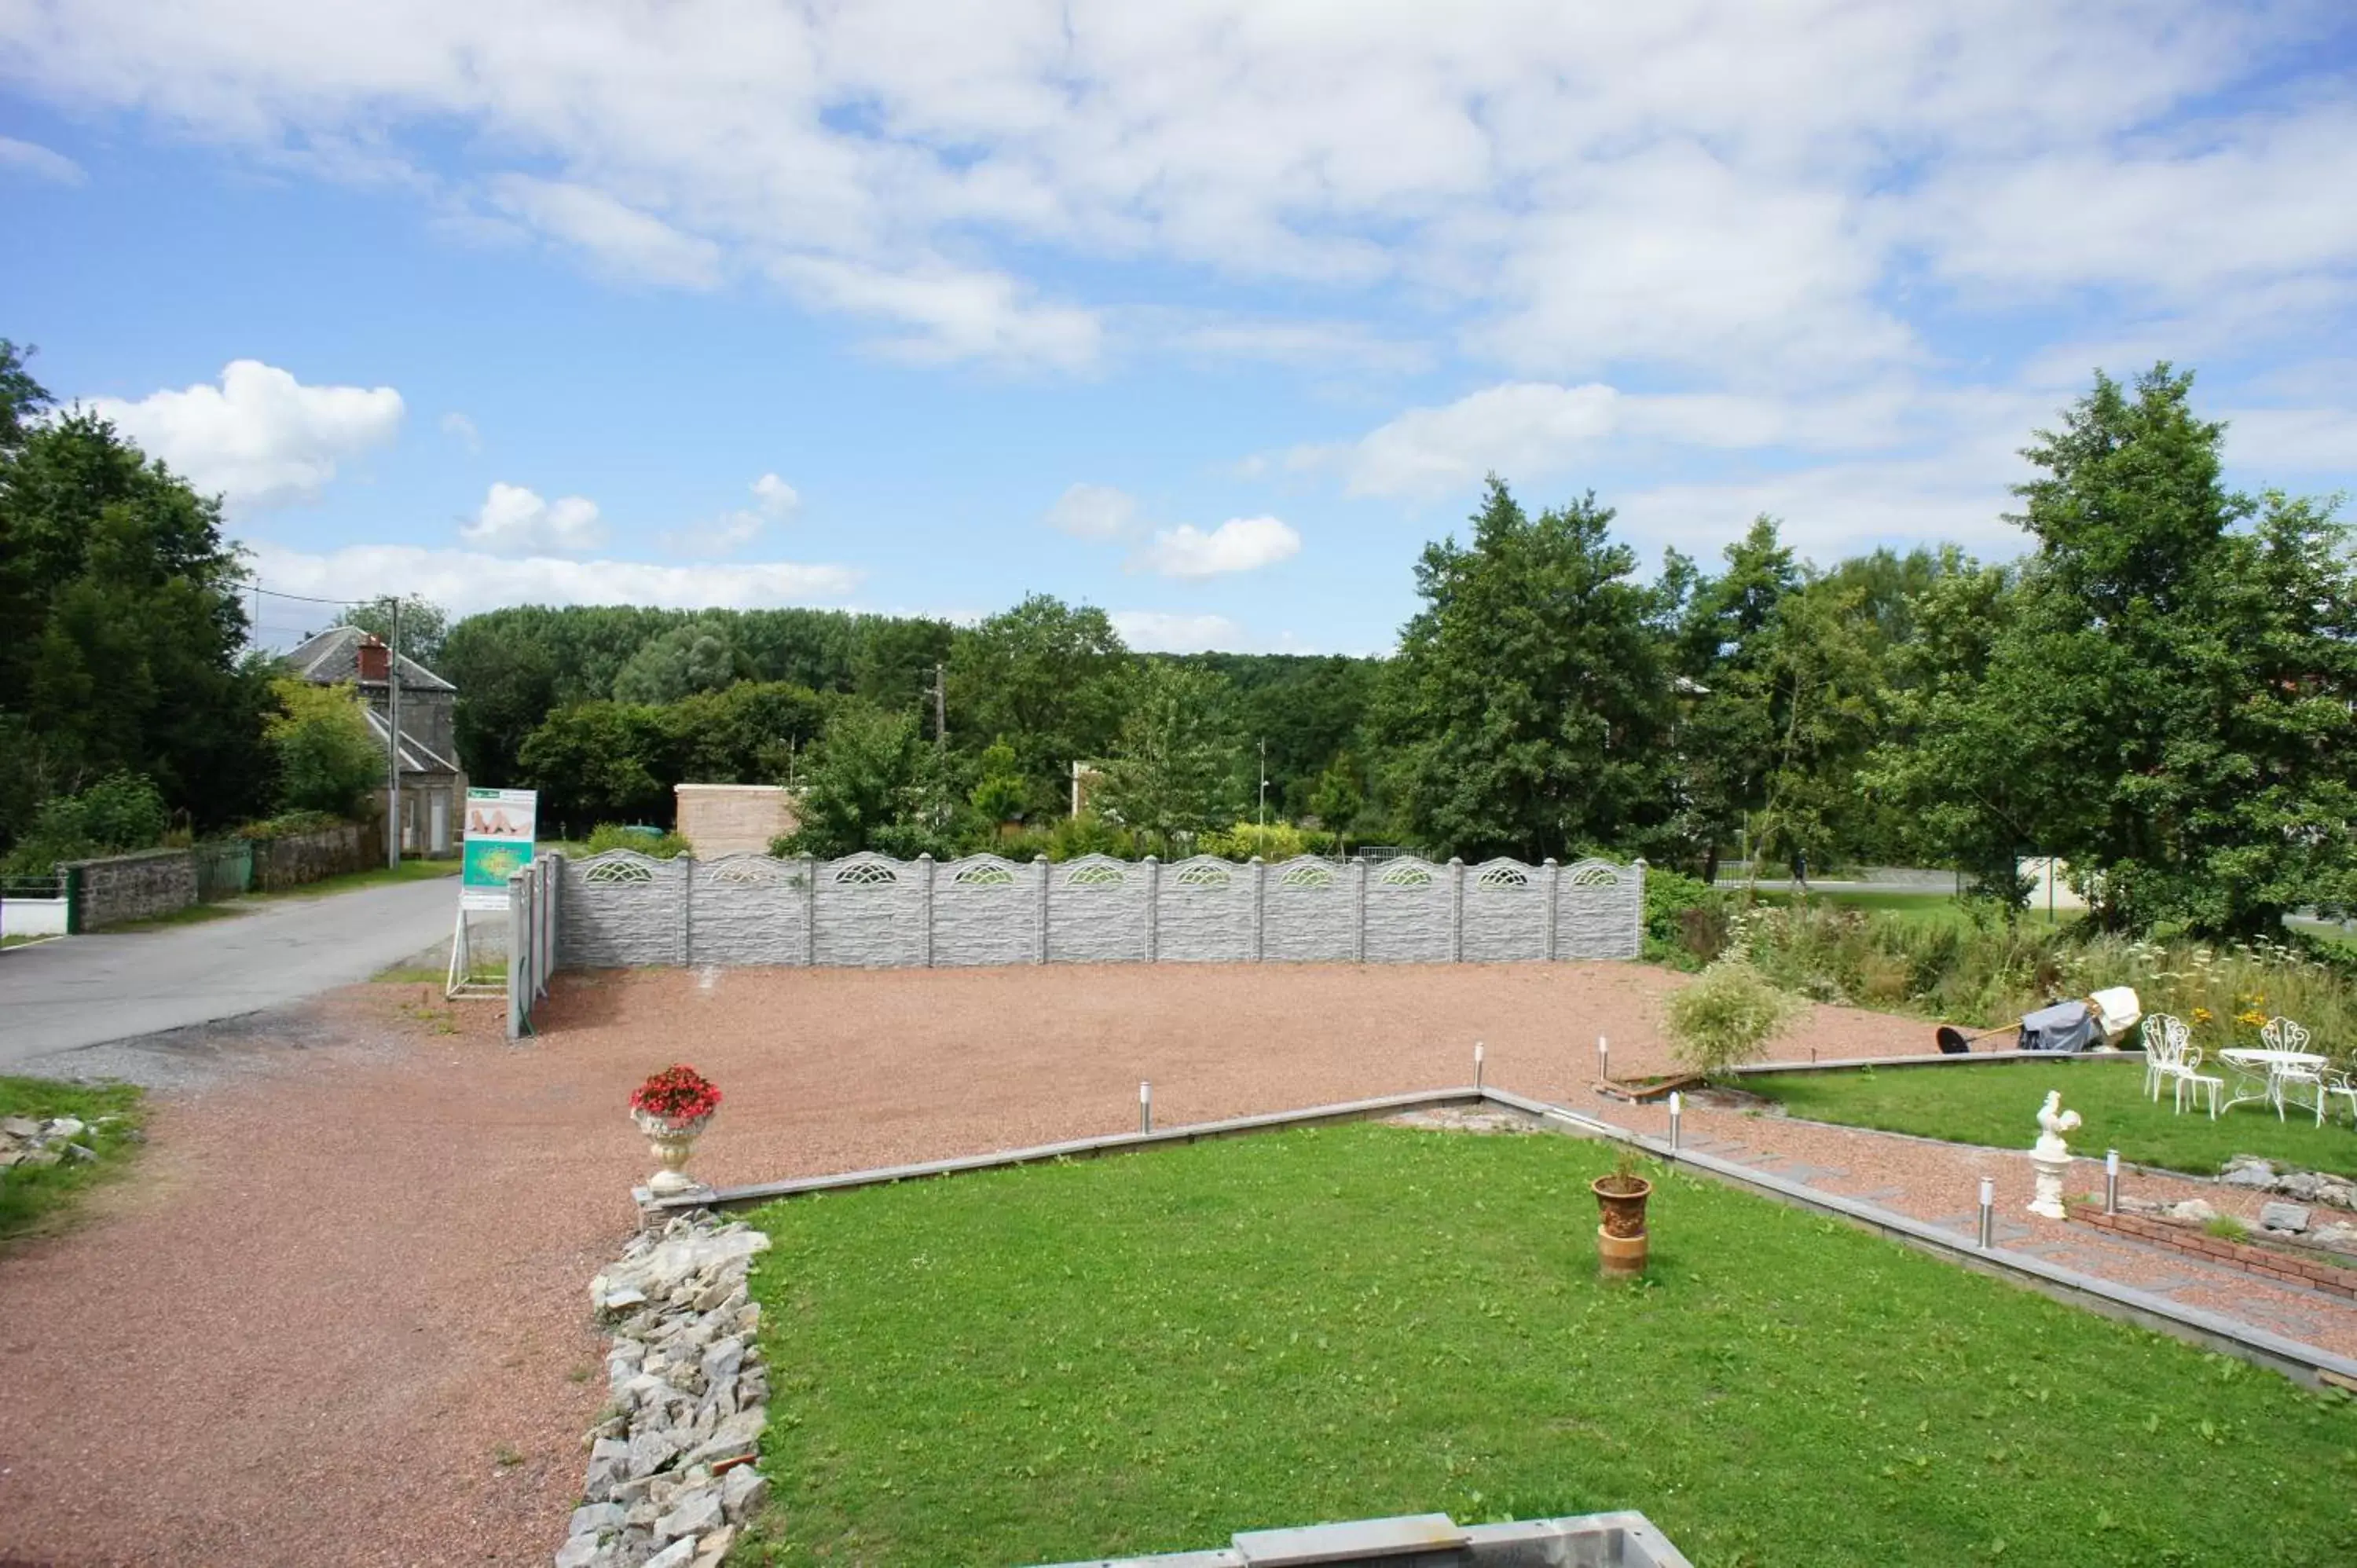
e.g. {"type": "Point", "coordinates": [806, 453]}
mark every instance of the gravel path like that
{"type": "Point", "coordinates": [339, 1317]}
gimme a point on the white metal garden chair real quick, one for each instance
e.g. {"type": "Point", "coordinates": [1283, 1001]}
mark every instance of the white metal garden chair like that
{"type": "Point", "coordinates": [2165, 1040]}
{"type": "Point", "coordinates": [2341, 1084]}
{"type": "Point", "coordinates": [2286, 1079]}
{"type": "Point", "coordinates": [2185, 1075]}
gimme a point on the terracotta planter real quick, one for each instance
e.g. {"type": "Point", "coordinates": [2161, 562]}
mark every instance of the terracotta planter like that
{"type": "Point", "coordinates": [1621, 1243]}
{"type": "Point", "coordinates": [671, 1143]}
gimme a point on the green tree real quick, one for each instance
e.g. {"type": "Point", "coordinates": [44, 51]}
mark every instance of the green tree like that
{"type": "Point", "coordinates": [872, 782]}
{"type": "Point", "coordinates": [1000, 795]}
{"type": "Point", "coordinates": [597, 762]}
{"type": "Point", "coordinates": [1528, 709]}
{"type": "Point", "coordinates": [1044, 677]}
{"type": "Point", "coordinates": [1728, 723]}
{"type": "Point", "coordinates": [126, 637]}
{"type": "Point", "coordinates": [1171, 770]}
{"type": "Point", "coordinates": [2172, 693]}
{"type": "Point", "coordinates": [326, 757]}
{"type": "Point", "coordinates": [508, 678]}
{"type": "Point", "coordinates": [1339, 798]}
{"type": "Point", "coordinates": [424, 628]}
{"type": "Point", "coordinates": [697, 657]}
{"type": "Point", "coordinates": [744, 733]}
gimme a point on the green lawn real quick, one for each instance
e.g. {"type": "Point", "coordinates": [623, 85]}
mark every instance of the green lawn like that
{"type": "Point", "coordinates": [1997, 1103]}
{"type": "Point", "coordinates": [36, 1197]}
{"type": "Point", "coordinates": [1147, 1352]}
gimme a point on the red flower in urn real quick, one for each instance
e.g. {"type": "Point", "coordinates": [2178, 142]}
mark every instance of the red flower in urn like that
{"type": "Point", "coordinates": [676, 1094]}
{"type": "Point", "coordinates": [671, 1109]}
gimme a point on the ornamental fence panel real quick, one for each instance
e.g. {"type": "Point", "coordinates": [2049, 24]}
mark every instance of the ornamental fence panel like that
{"type": "Point", "coordinates": [623, 909]}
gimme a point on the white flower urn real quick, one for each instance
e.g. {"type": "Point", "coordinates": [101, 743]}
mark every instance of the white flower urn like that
{"type": "Point", "coordinates": [672, 1142]}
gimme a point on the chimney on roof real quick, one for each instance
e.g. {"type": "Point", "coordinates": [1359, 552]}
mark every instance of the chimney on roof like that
{"type": "Point", "coordinates": [376, 660]}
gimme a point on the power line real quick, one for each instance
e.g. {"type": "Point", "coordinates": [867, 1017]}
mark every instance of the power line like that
{"type": "Point", "coordinates": [310, 598]}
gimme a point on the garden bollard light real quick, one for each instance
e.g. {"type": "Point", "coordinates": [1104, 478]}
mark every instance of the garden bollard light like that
{"type": "Point", "coordinates": [1988, 1211]}
{"type": "Point", "coordinates": [1145, 1107]}
{"type": "Point", "coordinates": [2111, 1181]}
{"type": "Point", "coordinates": [1477, 1064]}
{"type": "Point", "coordinates": [1604, 1058]}
{"type": "Point", "coordinates": [1677, 1106]}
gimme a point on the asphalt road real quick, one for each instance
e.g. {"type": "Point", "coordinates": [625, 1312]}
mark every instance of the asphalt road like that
{"type": "Point", "coordinates": [85, 991]}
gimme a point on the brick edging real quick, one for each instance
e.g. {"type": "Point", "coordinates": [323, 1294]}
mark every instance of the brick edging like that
{"type": "Point", "coordinates": [2234, 1254]}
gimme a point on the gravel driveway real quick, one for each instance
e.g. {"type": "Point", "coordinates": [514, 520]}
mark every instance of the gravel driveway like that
{"type": "Point", "coordinates": [338, 1318]}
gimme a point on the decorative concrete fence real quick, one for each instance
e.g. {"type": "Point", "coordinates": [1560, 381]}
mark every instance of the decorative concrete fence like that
{"type": "Point", "coordinates": [625, 909]}
{"type": "Point", "coordinates": [533, 900]}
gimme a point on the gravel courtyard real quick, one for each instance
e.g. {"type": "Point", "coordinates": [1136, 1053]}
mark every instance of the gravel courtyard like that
{"type": "Point", "coordinates": [337, 1316]}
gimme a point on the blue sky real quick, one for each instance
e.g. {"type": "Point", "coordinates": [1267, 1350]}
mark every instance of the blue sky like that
{"type": "Point", "coordinates": [1211, 314]}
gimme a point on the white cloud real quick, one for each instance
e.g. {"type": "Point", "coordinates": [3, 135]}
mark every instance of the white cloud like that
{"type": "Point", "coordinates": [461, 429]}
{"type": "Point", "coordinates": [1165, 631]}
{"type": "Point", "coordinates": [624, 241]}
{"type": "Point", "coordinates": [778, 499]}
{"type": "Point", "coordinates": [1239, 544]}
{"type": "Point", "coordinates": [1755, 193]}
{"type": "Point", "coordinates": [41, 163]}
{"type": "Point", "coordinates": [1531, 429]}
{"type": "Point", "coordinates": [774, 500]}
{"type": "Point", "coordinates": [952, 313]}
{"type": "Point", "coordinates": [464, 581]}
{"type": "Point", "coordinates": [2271, 441]}
{"type": "Point", "coordinates": [514, 521]}
{"type": "Point", "coordinates": [261, 437]}
{"type": "Point", "coordinates": [1095, 511]}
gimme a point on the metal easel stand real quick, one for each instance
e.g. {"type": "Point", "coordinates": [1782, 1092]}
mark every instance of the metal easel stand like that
{"type": "Point", "coordinates": [465, 981]}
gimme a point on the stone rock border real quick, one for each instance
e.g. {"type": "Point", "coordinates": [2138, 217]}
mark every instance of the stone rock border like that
{"type": "Point", "coordinates": [2261, 1174]}
{"type": "Point", "coordinates": [672, 1463]}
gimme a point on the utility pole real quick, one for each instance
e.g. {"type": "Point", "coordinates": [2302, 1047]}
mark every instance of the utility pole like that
{"type": "Point", "coordinates": [393, 746]}
{"type": "Point", "coordinates": [1263, 784]}
{"type": "Point", "coordinates": [940, 711]}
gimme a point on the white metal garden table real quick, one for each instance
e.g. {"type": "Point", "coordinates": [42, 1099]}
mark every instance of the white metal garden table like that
{"type": "Point", "coordinates": [2259, 1075]}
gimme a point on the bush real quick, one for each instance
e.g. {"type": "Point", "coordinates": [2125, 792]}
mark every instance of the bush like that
{"type": "Point", "coordinates": [327, 756]}
{"type": "Point", "coordinates": [1685, 919]}
{"type": "Point", "coordinates": [287, 824]}
{"type": "Point", "coordinates": [614, 835]}
{"type": "Point", "coordinates": [122, 812]}
{"type": "Point", "coordinates": [1726, 1015]}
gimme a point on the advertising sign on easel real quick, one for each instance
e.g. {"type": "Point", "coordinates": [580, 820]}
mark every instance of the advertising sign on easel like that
{"type": "Point", "coordinates": [499, 844]}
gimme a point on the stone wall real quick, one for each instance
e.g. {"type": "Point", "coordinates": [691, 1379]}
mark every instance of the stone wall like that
{"type": "Point", "coordinates": [133, 886]}
{"type": "Point", "coordinates": [623, 909]}
{"type": "Point", "coordinates": [734, 818]}
{"type": "Point", "coordinates": [298, 858]}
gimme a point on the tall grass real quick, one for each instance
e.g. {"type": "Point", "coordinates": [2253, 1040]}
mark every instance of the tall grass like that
{"type": "Point", "coordinates": [1973, 968]}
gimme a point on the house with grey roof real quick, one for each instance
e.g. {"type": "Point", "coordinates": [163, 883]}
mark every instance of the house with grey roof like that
{"type": "Point", "coordinates": [433, 785]}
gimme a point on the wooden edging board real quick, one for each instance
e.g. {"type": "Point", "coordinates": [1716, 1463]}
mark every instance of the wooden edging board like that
{"type": "Point", "coordinates": [2308, 1363]}
{"type": "Point", "coordinates": [1931, 1059]}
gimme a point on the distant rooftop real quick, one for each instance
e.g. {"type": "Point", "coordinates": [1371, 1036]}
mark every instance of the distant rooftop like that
{"type": "Point", "coordinates": [334, 656]}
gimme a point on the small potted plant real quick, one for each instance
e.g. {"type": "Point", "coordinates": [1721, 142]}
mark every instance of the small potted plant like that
{"type": "Point", "coordinates": [673, 1108]}
{"type": "Point", "coordinates": [1620, 1239]}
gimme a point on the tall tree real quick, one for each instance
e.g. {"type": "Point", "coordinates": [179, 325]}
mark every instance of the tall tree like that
{"type": "Point", "coordinates": [2173, 694]}
{"type": "Point", "coordinates": [1528, 707]}
{"type": "Point", "coordinates": [873, 783]}
{"type": "Point", "coordinates": [125, 628]}
{"type": "Point", "coordinates": [1044, 678]}
{"type": "Point", "coordinates": [1171, 770]}
{"type": "Point", "coordinates": [1727, 729]}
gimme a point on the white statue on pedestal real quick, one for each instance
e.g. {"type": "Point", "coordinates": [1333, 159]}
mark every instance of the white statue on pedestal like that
{"type": "Point", "coordinates": [2051, 1156]}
